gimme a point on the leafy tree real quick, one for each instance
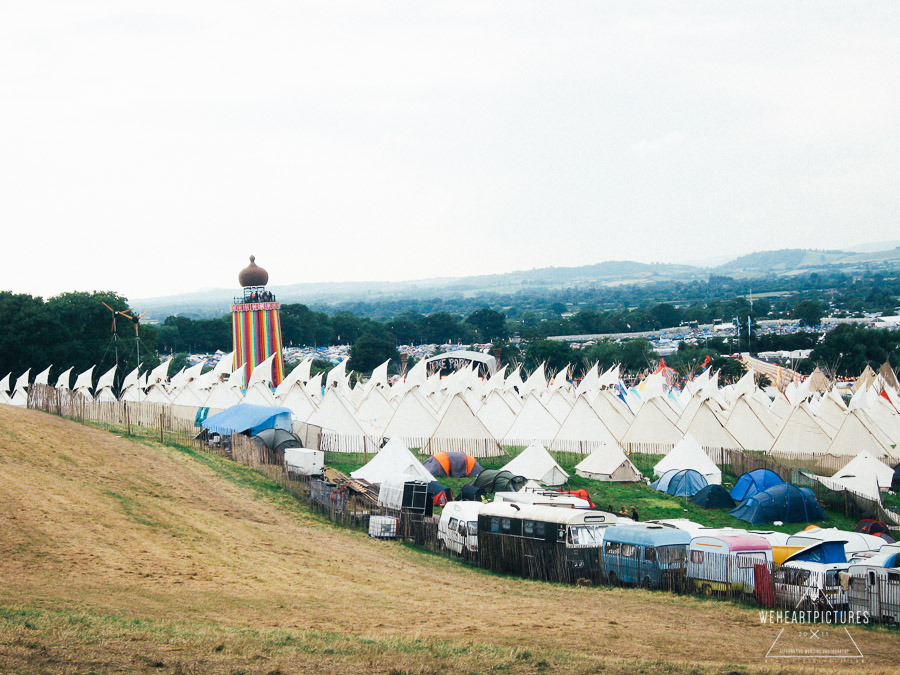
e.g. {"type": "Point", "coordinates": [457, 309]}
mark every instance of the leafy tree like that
{"type": "Point", "coordinates": [489, 323]}
{"type": "Point", "coordinates": [665, 316]}
{"type": "Point", "coordinates": [556, 354]}
{"type": "Point", "coordinates": [509, 353]}
{"type": "Point", "coordinates": [370, 350]}
{"type": "Point", "coordinates": [730, 370]}
{"type": "Point", "coordinates": [809, 312]}
{"type": "Point", "coordinates": [637, 354]}
{"type": "Point", "coordinates": [850, 347]}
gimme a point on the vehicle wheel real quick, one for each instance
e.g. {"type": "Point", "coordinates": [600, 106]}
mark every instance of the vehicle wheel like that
{"type": "Point", "coordinates": [647, 583]}
{"type": "Point", "coordinates": [612, 579]}
{"type": "Point", "coordinates": [707, 590]}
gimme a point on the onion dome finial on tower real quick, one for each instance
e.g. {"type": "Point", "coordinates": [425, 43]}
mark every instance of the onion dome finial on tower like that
{"type": "Point", "coordinates": [253, 275]}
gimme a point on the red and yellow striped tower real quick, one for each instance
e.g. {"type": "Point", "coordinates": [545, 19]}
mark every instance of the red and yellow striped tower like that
{"type": "Point", "coordinates": [256, 323]}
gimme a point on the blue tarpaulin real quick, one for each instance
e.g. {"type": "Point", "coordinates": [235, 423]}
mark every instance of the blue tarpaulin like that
{"type": "Point", "coordinates": [241, 417]}
{"type": "Point", "coordinates": [825, 552]}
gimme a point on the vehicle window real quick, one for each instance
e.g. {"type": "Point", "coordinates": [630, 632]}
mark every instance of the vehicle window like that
{"type": "Point", "coordinates": [495, 524]}
{"type": "Point", "coordinates": [781, 575]}
{"type": "Point", "coordinates": [584, 535]}
{"type": "Point", "coordinates": [452, 524]}
{"type": "Point", "coordinates": [528, 528]}
{"type": "Point", "coordinates": [670, 554]}
{"type": "Point", "coordinates": [612, 547]}
{"type": "Point", "coordinates": [802, 577]}
{"type": "Point", "coordinates": [649, 554]}
{"type": "Point", "coordinates": [894, 578]}
{"type": "Point", "coordinates": [628, 550]}
{"type": "Point", "coordinates": [462, 530]}
{"type": "Point", "coordinates": [871, 578]}
{"type": "Point", "coordinates": [540, 530]}
{"type": "Point", "coordinates": [831, 578]}
{"type": "Point", "coordinates": [697, 557]}
{"type": "Point", "coordinates": [505, 524]}
{"type": "Point", "coordinates": [473, 526]}
{"type": "Point", "coordinates": [745, 560]}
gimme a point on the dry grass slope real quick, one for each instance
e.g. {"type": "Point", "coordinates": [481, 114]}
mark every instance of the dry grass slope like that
{"type": "Point", "coordinates": [117, 556]}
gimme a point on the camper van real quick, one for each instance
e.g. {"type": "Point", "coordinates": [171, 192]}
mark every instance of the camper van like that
{"type": "Point", "coordinates": [541, 542]}
{"type": "Point", "coordinates": [726, 562]}
{"type": "Point", "coordinates": [875, 588]}
{"type": "Point", "coordinates": [542, 498]}
{"type": "Point", "coordinates": [458, 527]}
{"type": "Point", "coordinates": [648, 555]}
{"type": "Point", "coordinates": [810, 578]}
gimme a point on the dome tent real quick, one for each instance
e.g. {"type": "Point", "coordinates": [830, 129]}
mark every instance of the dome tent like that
{"type": "Point", "coordinates": [688, 454]}
{"type": "Point", "coordinates": [680, 483]}
{"type": "Point", "coordinates": [752, 482]}
{"type": "Point", "coordinates": [277, 439]}
{"type": "Point", "coordinates": [492, 480]}
{"type": "Point", "coordinates": [454, 464]}
{"type": "Point", "coordinates": [784, 502]}
{"type": "Point", "coordinates": [713, 497]}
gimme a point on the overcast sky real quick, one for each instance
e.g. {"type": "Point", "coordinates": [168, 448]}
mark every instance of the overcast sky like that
{"type": "Point", "coordinates": [150, 147]}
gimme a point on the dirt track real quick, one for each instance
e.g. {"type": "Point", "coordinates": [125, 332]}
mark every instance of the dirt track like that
{"type": "Point", "coordinates": [163, 559]}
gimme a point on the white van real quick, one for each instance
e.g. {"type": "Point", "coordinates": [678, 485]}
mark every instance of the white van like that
{"type": "Point", "coordinates": [458, 527]}
{"type": "Point", "coordinates": [800, 584]}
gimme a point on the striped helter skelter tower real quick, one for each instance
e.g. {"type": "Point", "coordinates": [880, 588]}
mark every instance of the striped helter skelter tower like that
{"type": "Point", "coordinates": [256, 324]}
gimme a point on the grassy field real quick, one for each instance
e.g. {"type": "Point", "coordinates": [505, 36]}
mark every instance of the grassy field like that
{"type": "Point", "coordinates": [122, 557]}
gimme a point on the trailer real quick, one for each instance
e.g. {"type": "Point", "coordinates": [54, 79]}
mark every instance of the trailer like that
{"type": "Point", "coordinates": [644, 555]}
{"type": "Point", "coordinates": [874, 589]}
{"type": "Point", "coordinates": [726, 563]}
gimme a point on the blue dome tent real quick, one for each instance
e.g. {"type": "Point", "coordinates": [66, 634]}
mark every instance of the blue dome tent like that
{"type": "Point", "coordinates": [784, 502]}
{"type": "Point", "coordinates": [683, 483]}
{"type": "Point", "coordinates": [752, 482]}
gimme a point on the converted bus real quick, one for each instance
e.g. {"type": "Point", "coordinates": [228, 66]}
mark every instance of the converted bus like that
{"type": "Point", "coordinates": [542, 542]}
{"type": "Point", "coordinates": [645, 555]}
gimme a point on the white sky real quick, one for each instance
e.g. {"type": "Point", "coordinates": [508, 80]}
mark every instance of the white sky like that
{"type": "Point", "coordinates": [150, 147]}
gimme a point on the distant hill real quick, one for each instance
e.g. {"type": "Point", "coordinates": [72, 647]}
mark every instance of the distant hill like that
{"type": "Point", "coordinates": [797, 260]}
{"type": "Point", "coordinates": [784, 262]}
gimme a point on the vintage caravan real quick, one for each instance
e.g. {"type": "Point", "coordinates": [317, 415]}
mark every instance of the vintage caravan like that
{"type": "Point", "coordinates": [647, 555]}
{"type": "Point", "coordinates": [875, 588]}
{"type": "Point", "coordinates": [726, 562]}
